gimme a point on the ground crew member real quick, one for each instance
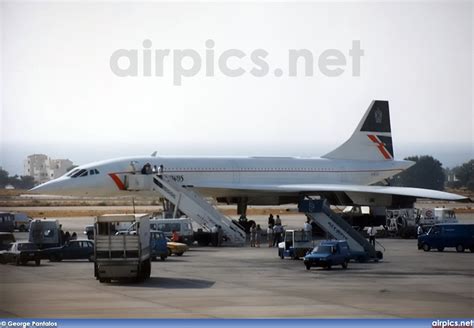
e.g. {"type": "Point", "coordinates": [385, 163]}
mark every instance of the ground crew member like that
{"type": "Point", "coordinates": [175, 236]}
{"type": "Point", "coordinates": [372, 232]}
{"type": "Point", "coordinates": [308, 228]}
{"type": "Point", "coordinates": [278, 220]}
{"type": "Point", "coordinates": [419, 230]}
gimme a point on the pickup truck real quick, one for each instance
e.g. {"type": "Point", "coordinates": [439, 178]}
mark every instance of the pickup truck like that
{"type": "Point", "coordinates": [21, 253]}
{"type": "Point", "coordinates": [327, 254]}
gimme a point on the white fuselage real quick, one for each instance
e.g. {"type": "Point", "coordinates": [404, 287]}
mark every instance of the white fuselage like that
{"type": "Point", "coordinates": [208, 174]}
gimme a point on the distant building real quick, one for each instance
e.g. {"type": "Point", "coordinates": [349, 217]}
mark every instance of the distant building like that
{"type": "Point", "coordinates": [42, 168]}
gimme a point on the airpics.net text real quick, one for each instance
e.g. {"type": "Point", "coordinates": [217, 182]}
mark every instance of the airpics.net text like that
{"type": "Point", "coordinates": [234, 63]}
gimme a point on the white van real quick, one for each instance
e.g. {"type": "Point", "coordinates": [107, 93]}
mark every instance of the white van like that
{"type": "Point", "coordinates": [183, 226]}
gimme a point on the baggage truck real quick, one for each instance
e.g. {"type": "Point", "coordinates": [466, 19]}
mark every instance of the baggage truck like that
{"type": "Point", "coordinates": [119, 255]}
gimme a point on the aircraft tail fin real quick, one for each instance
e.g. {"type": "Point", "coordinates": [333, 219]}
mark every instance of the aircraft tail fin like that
{"type": "Point", "coordinates": [372, 139]}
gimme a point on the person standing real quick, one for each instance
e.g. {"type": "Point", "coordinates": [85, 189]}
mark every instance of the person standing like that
{"type": "Point", "coordinates": [160, 170]}
{"type": "Point", "coordinates": [253, 234]}
{"type": "Point", "coordinates": [271, 220]}
{"type": "Point", "coordinates": [419, 230]}
{"type": "Point", "coordinates": [175, 236]}
{"type": "Point", "coordinates": [220, 235]}
{"type": "Point", "coordinates": [308, 229]}
{"type": "Point", "coordinates": [270, 235]}
{"type": "Point", "coordinates": [277, 232]}
{"type": "Point", "coordinates": [257, 236]}
{"type": "Point", "coordinates": [372, 232]}
{"type": "Point", "coordinates": [278, 220]}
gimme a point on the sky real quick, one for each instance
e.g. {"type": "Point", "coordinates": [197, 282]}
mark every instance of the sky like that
{"type": "Point", "coordinates": [63, 92]}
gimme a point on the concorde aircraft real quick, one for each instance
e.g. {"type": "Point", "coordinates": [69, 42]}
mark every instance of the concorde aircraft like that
{"type": "Point", "coordinates": [345, 176]}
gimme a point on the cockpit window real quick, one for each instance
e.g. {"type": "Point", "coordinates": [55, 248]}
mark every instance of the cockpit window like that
{"type": "Point", "coordinates": [82, 173]}
{"type": "Point", "coordinates": [78, 173]}
{"type": "Point", "coordinates": [72, 172]}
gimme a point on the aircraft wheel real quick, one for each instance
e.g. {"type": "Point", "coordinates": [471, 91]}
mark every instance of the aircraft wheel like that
{"type": "Point", "coordinates": [345, 264]}
{"type": "Point", "coordinates": [440, 249]}
{"type": "Point", "coordinates": [460, 248]}
{"type": "Point", "coordinates": [308, 266]}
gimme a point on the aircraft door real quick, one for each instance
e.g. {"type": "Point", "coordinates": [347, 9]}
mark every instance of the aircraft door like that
{"type": "Point", "coordinates": [235, 172]}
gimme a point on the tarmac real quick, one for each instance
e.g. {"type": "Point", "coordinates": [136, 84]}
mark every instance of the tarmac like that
{"type": "Point", "coordinates": [246, 282]}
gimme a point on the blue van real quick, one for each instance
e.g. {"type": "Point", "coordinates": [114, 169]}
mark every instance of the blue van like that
{"type": "Point", "coordinates": [158, 246]}
{"type": "Point", "coordinates": [327, 254]}
{"type": "Point", "coordinates": [460, 236]}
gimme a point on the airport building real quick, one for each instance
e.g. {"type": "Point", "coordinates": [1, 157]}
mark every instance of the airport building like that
{"type": "Point", "coordinates": [42, 168]}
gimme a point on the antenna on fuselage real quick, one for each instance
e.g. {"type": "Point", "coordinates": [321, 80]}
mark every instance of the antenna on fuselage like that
{"type": "Point", "coordinates": [154, 153]}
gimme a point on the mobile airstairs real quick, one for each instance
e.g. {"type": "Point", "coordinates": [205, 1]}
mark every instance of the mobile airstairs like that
{"type": "Point", "coordinates": [189, 202]}
{"type": "Point", "coordinates": [319, 211]}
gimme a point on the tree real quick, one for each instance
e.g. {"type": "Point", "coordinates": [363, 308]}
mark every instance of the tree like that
{"type": "Point", "coordinates": [426, 173]}
{"type": "Point", "coordinates": [4, 179]}
{"type": "Point", "coordinates": [23, 182]}
{"type": "Point", "coordinates": [465, 175]}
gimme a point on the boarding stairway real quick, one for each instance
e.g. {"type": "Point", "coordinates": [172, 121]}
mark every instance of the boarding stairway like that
{"type": "Point", "coordinates": [188, 202]}
{"type": "Point", "coordinates": [319, 211]}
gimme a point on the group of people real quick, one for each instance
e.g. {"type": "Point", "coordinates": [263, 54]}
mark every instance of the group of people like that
{"type": "Point", "coordinates": [275, 230]}
{"type": "Point", "coordinates": [148, 169]}
{"type": "Point", "coordinates": [255, 235]}
{"type": "Point", "coordinates": [65, 237]}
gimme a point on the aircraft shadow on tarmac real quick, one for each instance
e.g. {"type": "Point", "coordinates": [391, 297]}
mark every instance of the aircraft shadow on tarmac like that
{"type": "Point", "coordinates": [173, 283]}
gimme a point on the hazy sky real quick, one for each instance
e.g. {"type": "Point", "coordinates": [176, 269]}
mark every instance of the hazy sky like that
{"type": "Point", "coordinates": [60, 96]}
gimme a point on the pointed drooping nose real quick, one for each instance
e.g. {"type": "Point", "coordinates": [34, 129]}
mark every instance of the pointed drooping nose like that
{"type": "Point", "coordinates": [57, 186]}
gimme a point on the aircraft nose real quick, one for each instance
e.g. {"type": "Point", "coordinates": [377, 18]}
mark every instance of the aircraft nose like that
{"type": "Point", "coordinates": [51, 187]}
